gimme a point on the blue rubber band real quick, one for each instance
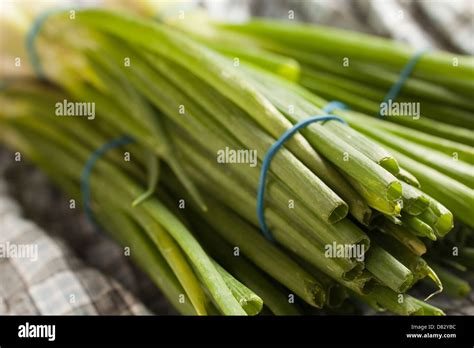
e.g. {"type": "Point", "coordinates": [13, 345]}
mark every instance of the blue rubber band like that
{"type": "Point", "coordinates": [31, 39]}
{"type": "Point", "coordinates": [331, 106]}
{"type": "Point", "coordinates": [85, 188]}
{"type": "Point", "coordinates": [404, 74]}
{"type": "Point", "coordinates": [274, 149]}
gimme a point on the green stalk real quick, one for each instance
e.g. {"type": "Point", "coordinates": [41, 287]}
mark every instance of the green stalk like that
{"type": "Point", "coordinates": [418, 227]}
{"type": "Point", "coordinates": [409, 178]}
{"type": "Point", "coordinates": [388, 270]}
{"type": "Point", "coordinates": [413, 262]}
{"type": "Point", "coordinates": [430, 219]}
{"type": "Point", "coordinates": [200, 29]}
{"type": "Point", "coordinates": [273, 297]}
{"type": "Point", "coordinates": [453, 285]}
{"type": "Point", "coordinates": [376, 153]}
{"type": "Point", "coordinates": [153, 174]}
{"type": "Point", "coordinates": [440, 218]}
{"type": "Point", "coordinates": [403, 236]}
{"type": "Point", "coordinates": [380, 203]}
{"type": "Point", "coordinates": [278, 64]}
{"type": "Point", "coordinates": [427, 309]}
{"type": "Point", "coordinates": [336, 293]}
{"type": "Point", "coordinates": [147, 258]}
{"type": "Point", "coordinates": [250, 302]}
{"type": "Point", "coordinates": [414, 201]}
{"type": "Point", "coordinates": [403, 304]}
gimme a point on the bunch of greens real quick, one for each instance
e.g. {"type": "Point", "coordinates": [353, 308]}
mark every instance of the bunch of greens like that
{"type": "Point", "coordinates": [434, 147]}
{"type": "Point", "coordinates": [183, 100]}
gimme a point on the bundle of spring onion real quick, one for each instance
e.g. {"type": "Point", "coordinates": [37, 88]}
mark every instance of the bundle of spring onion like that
{"type": "Point", "coordinates": [433, 137]}
{"type": "Point", "coordinates": [350, 223]}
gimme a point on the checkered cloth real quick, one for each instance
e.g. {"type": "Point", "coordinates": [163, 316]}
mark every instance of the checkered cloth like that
{"type": "Point", "coordinates": [442, 24]}
{"type": "Point", "coordinates": [47, 278]}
